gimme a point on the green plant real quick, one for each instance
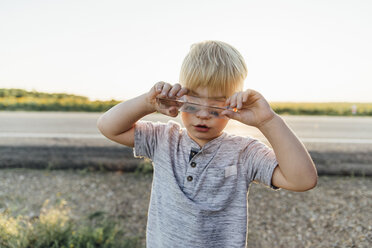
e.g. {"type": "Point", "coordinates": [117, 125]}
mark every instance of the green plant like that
{"type": "Point", "coordinates": [144, 167]}
{"type": "Point", "coordinates": [13, 231]}
{"type": "Point", "coordinates": [55, 228]}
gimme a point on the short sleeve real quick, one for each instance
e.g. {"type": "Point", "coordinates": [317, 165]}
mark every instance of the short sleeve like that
{"type": "Point", "coordinates": [146, 138]}
{"type": "Point", "coordinates": [261, 162]}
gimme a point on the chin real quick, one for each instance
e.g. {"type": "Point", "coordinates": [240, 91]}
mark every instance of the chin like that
{"type": "Point", "coordinates": [207, 137]}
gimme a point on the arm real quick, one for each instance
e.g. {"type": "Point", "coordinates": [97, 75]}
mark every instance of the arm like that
{"type": "Point", "coordinates": [296, 170]}
{"type": "Point", "coordinates": [117, 123]}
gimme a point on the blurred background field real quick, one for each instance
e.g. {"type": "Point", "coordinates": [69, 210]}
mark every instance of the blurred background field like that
{"type": "Point", "coordinates": [22, 100]}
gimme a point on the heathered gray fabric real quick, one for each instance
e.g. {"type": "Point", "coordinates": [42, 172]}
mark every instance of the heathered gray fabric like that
{"type": "Point", "coordinates": [211, 209]}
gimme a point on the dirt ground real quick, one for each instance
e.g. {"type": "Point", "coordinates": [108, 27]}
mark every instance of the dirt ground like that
{"type": "Point", "coordinates": [337, 213]}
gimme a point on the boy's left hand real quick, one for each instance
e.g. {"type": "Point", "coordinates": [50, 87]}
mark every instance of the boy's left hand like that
{"type": "Point", "coordinates": [253, 109]}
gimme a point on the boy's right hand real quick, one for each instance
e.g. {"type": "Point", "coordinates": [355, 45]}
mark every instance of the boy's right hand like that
{"type": "Point", "coordinates": [166, 90]}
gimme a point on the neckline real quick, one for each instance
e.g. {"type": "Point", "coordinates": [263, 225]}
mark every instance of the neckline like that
{"type": "Point", "coordinates": [209, 144]}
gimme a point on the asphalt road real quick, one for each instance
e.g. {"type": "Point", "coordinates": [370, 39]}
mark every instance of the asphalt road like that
{"type": "Point", "coordinates": [310, 129]}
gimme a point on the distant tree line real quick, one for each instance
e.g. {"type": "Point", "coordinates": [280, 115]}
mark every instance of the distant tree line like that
{"type": "Point", "coordinates": [324, 108]}
{"type": "Point", "coordinates": [19, 93]}
{"type": "Point", "coordinates": [18, 99]}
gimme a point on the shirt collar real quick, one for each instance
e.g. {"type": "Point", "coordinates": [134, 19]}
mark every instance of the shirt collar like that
{"type": "Point", "coordinates": [211, 145]}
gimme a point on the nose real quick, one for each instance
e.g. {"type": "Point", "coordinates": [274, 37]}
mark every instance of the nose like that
{"type": "Point", "coordinates": [203, 114]}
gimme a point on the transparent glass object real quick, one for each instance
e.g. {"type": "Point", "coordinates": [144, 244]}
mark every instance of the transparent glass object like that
{"type": "Point", "coordinates": [192, 104]}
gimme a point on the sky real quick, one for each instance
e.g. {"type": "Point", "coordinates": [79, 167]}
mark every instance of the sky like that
{"type": "Point", "coordinates": [304, 51]}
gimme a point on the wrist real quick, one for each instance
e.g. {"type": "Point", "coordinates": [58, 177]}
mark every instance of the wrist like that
{"type": "Point", "coordinates": [269, 123]}
{"type": "Point", "coordinates": [148, 104]}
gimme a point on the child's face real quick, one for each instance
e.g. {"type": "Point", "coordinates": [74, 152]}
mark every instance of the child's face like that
{"type": "Point", "coordinates": [201, 126]}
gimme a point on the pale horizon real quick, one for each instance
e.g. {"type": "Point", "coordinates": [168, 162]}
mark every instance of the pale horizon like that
{"type": "Point", "coordinates": [296, 51]}
{"type": "Point", "coordinates": [115, 99]}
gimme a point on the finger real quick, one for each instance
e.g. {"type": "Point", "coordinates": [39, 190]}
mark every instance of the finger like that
{"type": "Point", "coordinates": [182, 91]}
{"type": "Point", "coordinates": [159, 86]}
{"type": "Point", "coordinates": [239, 100]}
{"type": "Point", "coordinates": [246, 95]}
{"type": "Point", "coordinates": [233, 101]}
{"type": "Point", "coordinates": [227, 102]}
{"type": "Point", "coordinates": [174, 90]}
{"type": "Point", "coordinates": [156, 89]}
{"type": "Point", "coordinates": [165, 90]}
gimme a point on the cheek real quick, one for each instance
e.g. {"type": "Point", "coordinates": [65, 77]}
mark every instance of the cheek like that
{"type": "Point", "coordinates": [186, 117]}
{"type": "Point", "coordinates": [222, 123]}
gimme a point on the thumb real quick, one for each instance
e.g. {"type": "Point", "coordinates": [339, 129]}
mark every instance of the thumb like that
{"type": "Point", "coordinates": [231, 114]}
{"type": "Point", "coordinates": [172, 111]}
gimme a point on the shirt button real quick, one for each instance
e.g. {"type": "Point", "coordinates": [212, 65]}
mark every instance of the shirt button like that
{"type": "Point", "coordinates": [189, 178]}
{"type": "Point", "coordinates": [193, 164]}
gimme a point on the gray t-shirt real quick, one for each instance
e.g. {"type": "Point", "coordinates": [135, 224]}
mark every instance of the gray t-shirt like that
{"type": "Point", "coordinates": [199, 195]}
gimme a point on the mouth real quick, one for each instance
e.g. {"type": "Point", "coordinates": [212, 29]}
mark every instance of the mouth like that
{"type": "Point", "coordinates": [202, 128]}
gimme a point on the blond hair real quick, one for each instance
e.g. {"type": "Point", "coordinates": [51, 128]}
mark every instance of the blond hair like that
{"type": "Point", "coordinates": [215, 65]}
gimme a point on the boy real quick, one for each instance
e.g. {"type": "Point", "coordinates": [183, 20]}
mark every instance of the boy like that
{"type": "Point", "coordinates": [202, 174]}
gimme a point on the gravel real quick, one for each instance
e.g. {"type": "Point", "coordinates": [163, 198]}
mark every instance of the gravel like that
{"type": "Point", "coordinates": [337, 213]}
